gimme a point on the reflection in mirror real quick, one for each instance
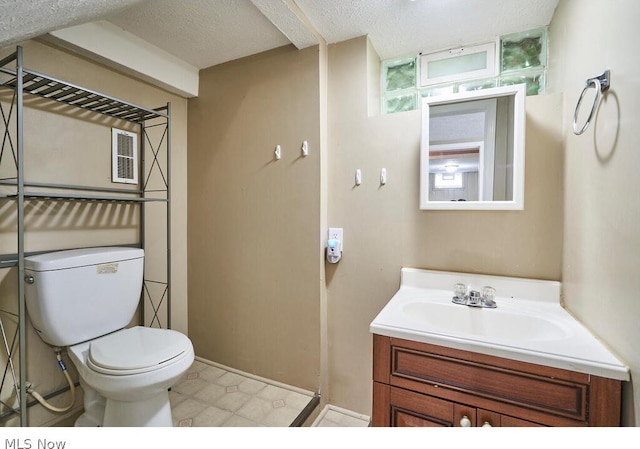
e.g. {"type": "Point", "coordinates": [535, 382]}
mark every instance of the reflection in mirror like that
{"type": "Point", "coordinates": [472, 152]}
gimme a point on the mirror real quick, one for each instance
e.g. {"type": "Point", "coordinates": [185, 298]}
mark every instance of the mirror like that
{"type": "Point", "coordinates": [472, 150]}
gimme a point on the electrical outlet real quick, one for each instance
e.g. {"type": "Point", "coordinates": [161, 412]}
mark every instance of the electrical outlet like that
{"type": "Point", "coordinates": [336, 233]}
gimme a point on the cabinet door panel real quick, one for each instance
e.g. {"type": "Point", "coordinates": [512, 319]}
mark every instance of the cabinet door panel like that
{"type": "Point", "coordinates": [403, 419]}
{"type": "Point", "coordinates": [510, 421]}
{"type": "Point", "coordinates": [414, 409]}
{"type": "Point", "coordinates": [488, 418]}
{"type": "Point", "coordinates": [464, 416]}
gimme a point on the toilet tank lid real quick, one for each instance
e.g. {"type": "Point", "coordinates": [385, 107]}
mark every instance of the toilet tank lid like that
{"type": "Point", "coordinates": [73, 258]}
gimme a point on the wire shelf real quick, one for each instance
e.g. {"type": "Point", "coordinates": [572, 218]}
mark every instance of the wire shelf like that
{"type": "Point", "coordinates": [51, 88]}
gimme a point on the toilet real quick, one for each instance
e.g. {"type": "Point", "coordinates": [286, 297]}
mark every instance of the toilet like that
{"type": "Point", "coordinates": [85, 300]}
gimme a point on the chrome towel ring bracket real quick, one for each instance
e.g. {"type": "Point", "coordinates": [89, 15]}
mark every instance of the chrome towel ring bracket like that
{"type": "Point", "coordinates": [600, 84]}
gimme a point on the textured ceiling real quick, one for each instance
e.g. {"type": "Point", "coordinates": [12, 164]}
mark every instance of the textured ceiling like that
{"type": "Point", "coordinates": [24, 19]}
{"type": "Point", "coordinates": [203, 32]}
{"type": "Point", "coordinates": [404, 27]}
{"type": "Point", "coordinates": [208, 32]}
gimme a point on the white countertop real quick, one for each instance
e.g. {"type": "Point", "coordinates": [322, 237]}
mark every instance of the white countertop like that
{"type": "Point", "coordinates": [528, 325]}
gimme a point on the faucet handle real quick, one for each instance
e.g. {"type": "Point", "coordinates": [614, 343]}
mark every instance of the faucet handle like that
{"type": "Point", "coordinates": [460, 290]}
{"type": "Point", "coordinates": [488, 296]}
{"type": "Point", "coordinates": [459, 294]}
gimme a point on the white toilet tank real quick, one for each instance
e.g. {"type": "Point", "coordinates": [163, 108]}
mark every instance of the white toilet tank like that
{"type": "Point", "coordinates": [77, 295]}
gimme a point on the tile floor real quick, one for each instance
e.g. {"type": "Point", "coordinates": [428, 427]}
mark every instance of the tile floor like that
{"type": "Point", "coordinates": [332, 416]}
{"type": "Point", "coordinates": [212, 395]}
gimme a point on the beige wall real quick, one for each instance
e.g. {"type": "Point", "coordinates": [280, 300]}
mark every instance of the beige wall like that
{"type": "Point", "coordinates": [602, 245]}
{"type": "Point", "coordinates": [254, 222]}
{"type": "Point", "coordinates": [258, 309]}
{"type": "Point", "coordinates": [257, 298]}
{"type": "Point", "coordinates": [76, 149]}
{"type": "Point", "coordinates": [384, 229]}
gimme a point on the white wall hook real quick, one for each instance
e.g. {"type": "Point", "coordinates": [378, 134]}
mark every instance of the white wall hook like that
{"type": "Point", "coordinates": [358, 177]}
{"type": "Point", "coordinates": [383, 176]}
{"type": "Point", "coordinates": [278, 152]}
{"type": "Point", "coordinates": [305, 148]}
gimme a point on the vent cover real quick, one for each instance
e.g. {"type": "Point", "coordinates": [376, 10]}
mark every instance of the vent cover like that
{"type": "Point", "coordinates": [124, 156]}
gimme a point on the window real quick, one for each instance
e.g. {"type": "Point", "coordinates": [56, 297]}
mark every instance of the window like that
{"type": "Point", "coordinates": [458, 64]}
{"type": "Point", "coordinates": [399, 78]}
{"type": "Point", "coordinates": [522, 58]}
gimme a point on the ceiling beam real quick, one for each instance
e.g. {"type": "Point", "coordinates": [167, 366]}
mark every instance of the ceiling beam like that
{"type": "Point", "coordinates": [291, 21]}
{"type": "Point", "coordinates": [111, 45]}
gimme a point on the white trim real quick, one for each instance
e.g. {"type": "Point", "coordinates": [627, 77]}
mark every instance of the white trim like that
{"type": "Point", "coordinates": [327, 408]}
{"type": "Point", "coordinates": [519, 116]}
{"type": "Point", "coordinates": [254, 377]}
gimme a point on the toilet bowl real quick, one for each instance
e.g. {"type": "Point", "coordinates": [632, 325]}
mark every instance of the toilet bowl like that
{"type": "Point", "coordinates": [84, 300]}
{"type": "Point", "coordinates": [133, 370]}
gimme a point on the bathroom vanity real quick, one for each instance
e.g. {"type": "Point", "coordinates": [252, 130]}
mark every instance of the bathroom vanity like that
{"type": "Point", "coordinates": [418, 384]}
{"type": "Point", "coordinates": [525, 363]}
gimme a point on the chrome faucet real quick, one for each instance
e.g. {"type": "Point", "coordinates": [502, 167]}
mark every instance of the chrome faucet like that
{"type": "Point", "coordinates": [474, 298]}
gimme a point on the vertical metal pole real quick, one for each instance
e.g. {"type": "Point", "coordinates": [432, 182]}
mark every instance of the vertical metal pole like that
{"type": "Point", "coordinates": [169, 215]}
{"type": "Point", "coordinates": [20, 195]}
{"type": "Point", "coordinates": [141, 176]}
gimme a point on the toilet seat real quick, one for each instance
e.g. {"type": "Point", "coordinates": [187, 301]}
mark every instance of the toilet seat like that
{"type": "Point", "coordinates": [136, 350]}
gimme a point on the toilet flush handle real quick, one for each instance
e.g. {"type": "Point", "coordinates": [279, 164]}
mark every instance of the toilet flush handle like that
{"type": "Point", "coordinates": [29, 279]}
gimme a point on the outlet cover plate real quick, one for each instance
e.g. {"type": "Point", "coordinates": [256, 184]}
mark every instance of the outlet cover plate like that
{"type": "Point", "coordinates": [336, 233]}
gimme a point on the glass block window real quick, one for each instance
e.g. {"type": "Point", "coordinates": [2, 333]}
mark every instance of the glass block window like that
{"type": "Point", "coordinates": [400, 103]}
{"type": "Point", "coordinates": [523, 59]}
{"type": "Point", "coordinates": [399, 75]}
{"type": "Point", "coordinates": [399, 85]}
{"type": "Point", "coordinates": [523, 50]}
{"type": "Point", "coordinates": [534, 81]}
{"type": "Point", "coordinates": [443, 89]}
{"type": "Point", "coordinates": [477, 85]}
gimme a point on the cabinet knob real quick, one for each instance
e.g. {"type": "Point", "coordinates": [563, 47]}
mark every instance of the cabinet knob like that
{"type": "Point", "coordinates": [465, 421]}
{"type": "Point", "coordinates": [487, 424]}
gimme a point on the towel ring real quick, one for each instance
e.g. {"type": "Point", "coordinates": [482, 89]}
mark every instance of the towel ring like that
{"type": "Point", "coordinates": [601, 84]}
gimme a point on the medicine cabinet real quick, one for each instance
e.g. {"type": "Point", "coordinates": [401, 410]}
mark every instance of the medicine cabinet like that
{"type": "Point", "coordinates": [472, 150]}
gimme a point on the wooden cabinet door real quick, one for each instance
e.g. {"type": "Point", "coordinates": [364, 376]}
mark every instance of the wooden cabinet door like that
{"type": "Point", "coordinates": [411, 409]}
{"type": "Point", "coordinates": [487, 418]}
{"type": "Point", "coordinates": [510, 421]}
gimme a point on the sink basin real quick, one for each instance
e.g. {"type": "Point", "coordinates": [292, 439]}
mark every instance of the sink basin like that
{"type": "Point", "coordinates": [454, 319]}
{"type": "Point", "coordinates": [529, 324]}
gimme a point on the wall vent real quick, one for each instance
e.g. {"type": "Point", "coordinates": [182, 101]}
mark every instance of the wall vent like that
{"type": "Point", "coordinates": [124, 156]}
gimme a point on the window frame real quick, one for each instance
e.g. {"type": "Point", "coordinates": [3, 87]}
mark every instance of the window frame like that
{"type": "Point", "coordinates": [491, 69]}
